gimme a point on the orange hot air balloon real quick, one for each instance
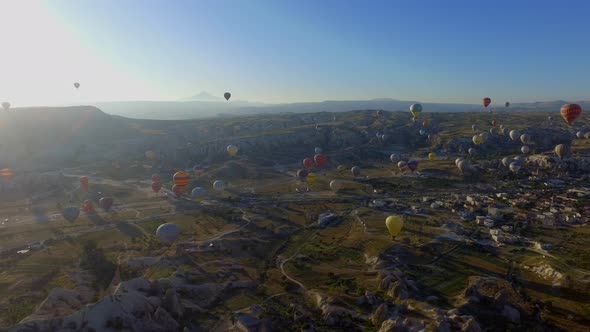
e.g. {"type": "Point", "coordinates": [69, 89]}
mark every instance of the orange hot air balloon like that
{"type": "Point", "coordinates": [84, 183]}
{"type": "Point", "coordinates": [570, 112]}
{"type": "Point", "coordinates": [181, 178]}
{"type": "Point", "coordinates": [486, 102]}
{"type": "Point", "coordinates": [6, 172]}
{"type": "Point", "coordinates": [493, 123]}
{"type": "Point", "coordinates": [177, 190]}
{"type": "Point", "coordinates": [320, 160]}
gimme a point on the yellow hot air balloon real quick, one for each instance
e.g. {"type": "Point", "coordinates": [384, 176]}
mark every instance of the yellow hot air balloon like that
{"type": "Point", "coordinates": [232, 150]}
{"type": "Point", "coordinates": [477, 139]}
{"type": "Point", "coordinates": [432, 156]}
{"type": "Point", "coordinates": [394, 224]}
{"type": "Point", "coordinates": [311, 178]}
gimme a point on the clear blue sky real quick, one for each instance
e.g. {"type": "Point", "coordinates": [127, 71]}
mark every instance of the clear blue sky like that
{"type": "Point", "coordinates": [299, 50]}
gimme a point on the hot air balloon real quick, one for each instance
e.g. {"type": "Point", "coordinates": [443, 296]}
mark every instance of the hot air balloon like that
{"type": "Point", "coordinates": [394, 158]}
{"type": "Point", "coordinates": [379, 113]}
{"type": "Point", "coordinates": [493, 131]}
{"type": "Point", "coordinates": [425, 124]}
{"type": "Point", "coordinates": [232, 150]}
{"type": "Point", "coordinates": [472, 151]}
{"type": "Point", "coordinates": [88, 206]}
{"type": "Point", "coordinates": [484, 137]}
{"type": "Point", "coordinates": [156, 178]}
{"type": "Point", "coordinates": [525, 138]}
{"type": "Point", "coordinates": [486, 102]}
{"type": "Point", "coordinates": [562, 150]}
{"type": "Point", "coordinates": [525, 149]}
{"type": "Point", "coordinates": [105, 203]}
{"type": "Point", "coordinates": [514, 135]}
{"type": "Point", "coordinates": [493, 123]}
{"type": "Point", "coordinates": [507, 104]}
{"type": "Point", "coordinates": [318, 150]}
{"type": "Point", "coordinates": [580, 134]}
{"type": "Point", "coordinates": [84, 183]}
{"type": "Point", "coordinates": [355, 170]}
{"type": "Point", "coordinates": [505, 131]}
{"type": "Point", "coordinates": [341, 168]}
{"type": "Point", "coordinates": [457, 161]}
{"type": "Point", "coordinates": [227, 95]}
{"type": "Point", "coordinates": [432, 156]}
{"type": "Point", "coordinates": [181, 178]}
{"type": "Point", "coordinates": [308, 163]}
{"type": "Point", "coordinates": [394, 224]}
{"type": "Point", "coordinates": [402, 165]}
{"type": "Point", "coordinates": [422, 132]}
{"type": "Point", "coordinates": [463, 166]}
{"type": "Point", "coordinates": [477, 140]}
{"type": "Point", "coordinates": [570, 112]}
{"type": "Point", "coordinates": [506, 161]}
{"type": "Point", "coordinates": [501, 126]}
{"type": "Point", "coordinates": [167, 233]}
{"type": "Point", "coordinates": [302, 174]}
{"type": "Point", "coordinates": [6, 172]}
{"type": "Point", "coordinates": [473, 127]}
{"type": "Point", "coordinates": [520, 160]}
{"type": "Point", "coordinates": [413, 165]}
{"type": "Point", "coordinates": [198, 170]}
{"type": "Point", "coordinates": [6, 105]}
{"type": "Point", "coordinates": [178, 190]}
{"type": "Point", "coordinates": [335, 185]}
{"type": "Point", "coordinates": [198, 191]}
{"type": "Point", "coordinates": [76, 85]}
{"type": "Point", "coordinates": [70, 213]}
{"type": "Point", "coordinates": [156, 186]}
{"type": "Point", "coordinates": [550, 118]}
{"type": "Point", "coordinates": [416, 109]}
{"type": "Point", "coordinates": [150, 155]}
{"type": "Point", "coordinates": [311, 178]}
{"type": "Point", "coordinates": [218, 185]}
{"type": "Point", "coordinates": [515, 166]}
{"type": "Point", "coordinates": [320, 160]}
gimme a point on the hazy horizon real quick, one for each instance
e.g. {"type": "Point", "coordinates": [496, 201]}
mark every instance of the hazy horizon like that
{"type": "Point", "coordinates": [271, 52]}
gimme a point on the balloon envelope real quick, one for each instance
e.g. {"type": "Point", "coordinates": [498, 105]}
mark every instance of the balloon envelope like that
{"type": "Point", "coordinates": [320, 160]}
{"type": "Point", "coordinates": [514, 134]}
{"type": "Point", "coordinates": [355, 170]}
{"type": "Point", "coordinates": [308, 163]}
{"type": "Point", "coordinates": [88, 206]}
{"type": "Point", "coordinates": [84, 183]}
{"type": "Point", "coordinates": [394, 224]}
{"type": "Point", "coordinates": [486, 101]}
{"type": "Point", "coordinates": [507, 104]}
{"type": "Point", "coordinates": [70, 213]}
{"type": "Point", "coordinates": [525, 149]}
{"type": "Point", "coordinates": [463, 165]}
{"type": "Point", "coordinates": [474, 127]}
{"type": "Point", "coordinates": [477, 140]}
{"type": "Point", "coordinates": [394, 158]}
{"type": "Point", "coordinates": [302, 174]}
{"type": "Point", "coordinates": [335, 185]}
{"type": "Point", "coordinates": [156, 186]}
{"type": "Point", "coordinates": [494, 123]}
{"type": "Point", "coordinates": [413, 165]}
{"type": "Point", "coordinates": [76, 85]}
{"type": "Point", "coordinates": [402, 165]}
{"type": "Point", "coordinates": [525, 138]}
{"type": "Point", "coordinates": [472, 151]}
{"type": "Point", "coordinates": [506, 161]}
{"type": "Point", "coordinates": [232, 150]}
{"type": "Point", "coordinates": [219, 184]}
{"type": "Point", "coordinates": [311, 178]}
{"type": "Point", "coordinates": [167, 233]}
{"type": "Point", "coordinates": [515, 166]}
{"type": "Point", "coordinates": [178, 190]}
{"type": "Point", "coordinates": [318, 150]}
{"type": "Point", "coordinates": [562, 150]}
{"type": "Point", "coordinates": [227, 95]}
{"type": "Point", "coordinates": [198, 191]}
{"type": "Point", "coordinates": [570, 112]}
{"type": "Point", "coordinates": [432, 156]}
{"type": "Point", "coordinates": [181, 178]}
{"type": "Point", "coordinates": [416, 109]}
{"type": "Point", "coordinates": [105, 203]}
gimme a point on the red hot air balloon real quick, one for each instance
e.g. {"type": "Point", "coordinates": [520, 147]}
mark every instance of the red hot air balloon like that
{"type": "Point", "coordinates": [308, 163]}
{"type": "Point", "coordinates": [425, 124]}
{"type": "Point", "coordinates": [570, 112]}
{"type": "Point", "coordinates": [181, 178]}
{"type": "Point", "coordinates": [493, 123]}
{"type": "Point", "coordinates": [156, 186]}
{"type": "Point", "coordinates": [177, 190]}
{"type": "Point", "coordinates": [105, 203]}
{"type": "Point", "coordinates": [156, 178]}
{"type": "Point", "coordinates": [320, 160]}
{"type": "Point", "coordinates": [84, 183]}
{"type": "Point", "coordinates": [486, 102]}
{"type": "Point", "coordinates": [87, 206]}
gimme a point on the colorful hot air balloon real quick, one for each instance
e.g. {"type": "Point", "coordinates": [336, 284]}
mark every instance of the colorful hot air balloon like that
{"type": "Point", "coordinates": [311, 178]}
{"type": "Point", "coordinates": [181, 178]}
{"type": "Point", "coordinates": [416, 109]}
{"type": "Point", "coordinates": [156, 178]}
{"type": "Point", "coordinates": [232, 150]}
{"type": "Point", "coordinates": [514, 134]}
{"type": "Point", "coordinates": [156, 186]}
{"type": "Point", "coordinates": [493, 123]}
{"type": "Point", "coordinates": [486, 102]}
{"type": "Point", "coordinates": [463, 166]}
{"type": "Point", "coordinates": [302, 174]}
{"type": "Point", "coordinates": [318, 150]}
{"type": "Point", "coordinates": [335, 185]}
{"type": "Point", "coordinates": [413, 165]}
{"type": "Point", "coordinates": [355, 170]}
{"type": "Point", "coordinates": [570, 112]}
{"type": "Point", "coordinates": [320, 160]}
{"type": "Point", "coordinates": [394, 158]}
{"type": "Point", "coordinates": [105, 203]}
{"type": "Point", "coordinates": [515, 166]}
{"type": "Point", "coordinates": [507, 104]}
{"type": "Point", "coordinates": [402, 165]}
{"type": "Point", "coordinates": [432, 156]}
{"type": "Point", "coordinates": [562, 150]}
{"type": "Point", "coordinates": [84, 183]}
{"type": "Point", "coordinates": [394, 224]}
{"type": "Point", "coordinates": [525, 138]}
{"type": "Point", "coordinates": [218, 185]}
{"type": "Point", "coordinates": [167, 233]}
{"type": "Point", "coordinates": [525, 149]}
{"type": "Point", "coordinates": [178, 190]}
{"type": "Point", "coordinates": [6, 105]}
{"type": "Point", "coordinates": [88, 206]}
{"type": "Point", "coordinates": [308, 163]}
{"type": "Point", "coordinates": [70, 213]}
{"type": "Point", "coordinates": [227, 95]}
{"type": "Point", "coordinates": [76, 85]}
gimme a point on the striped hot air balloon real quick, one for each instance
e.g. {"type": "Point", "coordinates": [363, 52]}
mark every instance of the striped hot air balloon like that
{"type": "Point", "coordinates": [570, 112]}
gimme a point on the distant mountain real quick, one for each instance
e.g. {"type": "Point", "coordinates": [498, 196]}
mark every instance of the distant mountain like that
{"type": "Point", "coordinates": [177, 110]}
{"type": "Point", "coordinates": [204, 96]}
